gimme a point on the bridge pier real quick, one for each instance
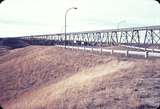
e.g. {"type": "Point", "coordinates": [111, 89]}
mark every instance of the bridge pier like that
{"type": "Point", "coordinates": [146, 54]}
{"type": "Point", "coordinates": [126, 53]}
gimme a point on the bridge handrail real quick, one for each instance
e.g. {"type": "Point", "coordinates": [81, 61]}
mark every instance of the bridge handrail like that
{"type": "Point", "coordinates": [157, 27]}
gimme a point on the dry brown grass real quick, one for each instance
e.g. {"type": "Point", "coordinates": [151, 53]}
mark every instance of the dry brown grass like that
{"type": "Point", "coordinates": [83, 81]}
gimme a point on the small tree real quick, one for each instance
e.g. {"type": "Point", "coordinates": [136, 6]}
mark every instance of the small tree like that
{"type": "Point", "coordinates": [158, 1]}
{"type": "Point", "coordinates": [1, 1]}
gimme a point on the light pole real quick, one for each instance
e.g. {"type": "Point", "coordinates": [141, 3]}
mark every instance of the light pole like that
{"type": "Point", "coordinates": [66, 23]}
{"type": "Point", "coordinates": [119, 23]}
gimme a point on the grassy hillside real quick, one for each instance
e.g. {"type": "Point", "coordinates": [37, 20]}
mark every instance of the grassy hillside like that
{"type": "Point", "coordinates": [37, 77]}
{"type": "Point", "coordinates": [12, 43]}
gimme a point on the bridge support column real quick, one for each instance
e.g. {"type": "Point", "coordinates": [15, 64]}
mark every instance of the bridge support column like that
{"type": "Point", "coordinates": [146, 54]}
{"type": "Point", "coordinates": [126, 53]}
{"type": "Point", "coordinates": [101, 51]}
{"type": "Point", "coordinates": [84, 46]}
{"type": "Point", "coordinates": [112, 52]}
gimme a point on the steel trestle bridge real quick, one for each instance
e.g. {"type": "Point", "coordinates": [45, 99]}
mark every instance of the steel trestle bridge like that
{"type": "Point", "coordinates": [139, 36]}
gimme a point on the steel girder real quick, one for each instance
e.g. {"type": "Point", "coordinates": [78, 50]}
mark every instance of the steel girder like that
{"type": "Point", "coordinates": [140, 35]}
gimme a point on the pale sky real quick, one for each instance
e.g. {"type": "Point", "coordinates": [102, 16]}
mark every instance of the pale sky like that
{"type": "Point", "coordinates": [29, 17]}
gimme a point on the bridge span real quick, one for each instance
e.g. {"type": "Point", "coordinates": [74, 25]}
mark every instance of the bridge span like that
{"type": "Point", "coordinates": [139, 36]}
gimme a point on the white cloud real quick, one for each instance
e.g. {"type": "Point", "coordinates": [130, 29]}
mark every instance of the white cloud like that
{"type": "Point", "coordinates": [23, 17]}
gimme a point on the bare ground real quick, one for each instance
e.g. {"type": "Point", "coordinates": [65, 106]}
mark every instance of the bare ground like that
{"type": "Point", "coordinates": [39, 77]}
